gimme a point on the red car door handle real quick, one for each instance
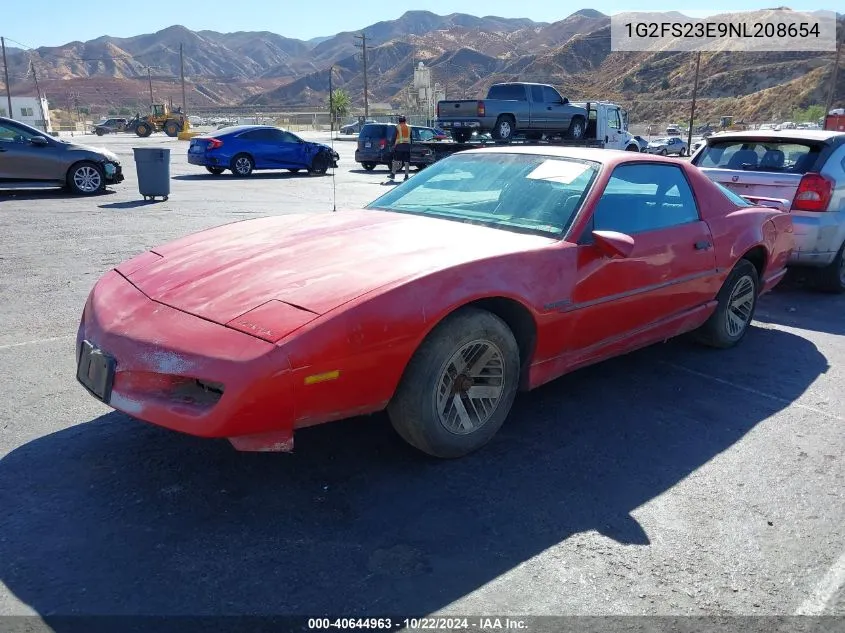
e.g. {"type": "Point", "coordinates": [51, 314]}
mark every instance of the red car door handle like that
{"type": "Point", "coordinates": [702, 246]}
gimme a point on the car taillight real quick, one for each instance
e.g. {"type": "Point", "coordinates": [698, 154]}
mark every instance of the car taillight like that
{"type": "Point", "coordinates": [481, 108]}
{"type": "Point", "coordinates": [382, 144]}
{"type": "Point", "coordinates": [215, 143]}
{"type": "Point", "coordinates": [814, 193]}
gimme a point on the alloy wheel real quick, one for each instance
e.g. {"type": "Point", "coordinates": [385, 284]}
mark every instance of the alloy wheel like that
{"type": "Point", "coordinates": [87, 179]}
{"type": "Point", "coordinates": [470, 387]}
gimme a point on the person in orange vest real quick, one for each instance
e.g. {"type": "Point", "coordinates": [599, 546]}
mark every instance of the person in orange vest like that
{"type": "Point", "coordinates": [401, 149]}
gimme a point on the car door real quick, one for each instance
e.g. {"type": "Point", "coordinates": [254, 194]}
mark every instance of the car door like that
{"type": "Point", "coordinates": [292, 150]}
{"type": "Point", "coordinates": [558, 114]}
{"type": "Point", "coordinates": [539, 113]}
{"type": "Point", "coordinates": [614, 134]}
{"type": "Point", "coordinates": [671, 269]}
{"type": "Point", "coordinates": [23, 160]}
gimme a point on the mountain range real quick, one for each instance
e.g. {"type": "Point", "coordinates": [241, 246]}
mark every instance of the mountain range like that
{"type": "Point", "coordinates": [466, 54]}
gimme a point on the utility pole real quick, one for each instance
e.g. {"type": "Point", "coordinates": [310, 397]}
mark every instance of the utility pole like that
{"type": "Point", "coordinates": [363, 38]}
{"type": "Point", "coordinates": [38, 94]}
{"type": "Point", "coordinates": [331, 102]}
{"type": "Point", "coordinates": [6, 73]}
{"type": "Point", "coordinates": [832, 90]}
{"type": "Point", "coordinates": [150, 78]}
{"type": "Point", "coordinates": [694, 95]}
{"type": "Point", "coordinates": [182, 74]}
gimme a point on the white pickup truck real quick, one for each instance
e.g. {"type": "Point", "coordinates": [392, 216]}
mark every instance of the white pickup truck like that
{"type": "Point", "coordinates": [802, 171]}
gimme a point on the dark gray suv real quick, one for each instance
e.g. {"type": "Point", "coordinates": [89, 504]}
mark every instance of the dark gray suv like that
{"type": "Point", "coordinates": [30, 159]}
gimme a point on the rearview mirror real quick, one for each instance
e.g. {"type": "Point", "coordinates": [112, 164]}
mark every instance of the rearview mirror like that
{"type": "Point", "coordinates": [39, 140]}
{"type": "Point", "coordinates": [613, 244]}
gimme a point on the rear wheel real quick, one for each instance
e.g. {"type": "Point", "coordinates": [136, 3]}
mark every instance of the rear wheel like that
{"type": "Point", "coordinates": [459, 387]}
{"type": "Point", "coordinates": [215, 170]}
{"type": "Point", "coordinates": [242, 165]}
{"type": "Point", "coordinates": [368, 166]}
{"type": "Point", "coordinates": [504, 128]}
{"type": "Point", "coordinates": [737, 301]}
{"type": "Point", "coordinates": [577, 129]}
{"type": "Point", "coordinates": [832, 277]}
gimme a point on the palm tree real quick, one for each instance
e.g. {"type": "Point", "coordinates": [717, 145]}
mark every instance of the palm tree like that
{"type": "Point", "coordinates": [338, 103]}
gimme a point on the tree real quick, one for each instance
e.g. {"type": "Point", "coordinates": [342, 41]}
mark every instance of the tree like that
{"type": "Point", "coordinates": [338, 103]}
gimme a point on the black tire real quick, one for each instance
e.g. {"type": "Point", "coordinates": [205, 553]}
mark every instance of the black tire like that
{"type": "Point", "coordinates": [504, 129]}
{"type": "Point", "coordinates": [461, 136]}
{"type": "Point", "coordinates": [99, 132]}
{"type": "Point", "coordinates": [242, 165]}
{"type": "Point", "coordinates": [172, 128]}
{"type": "Point", "coordinates": [368, 166]}
{"type": "Point", "coordinates": [86, 178]}
{"type": "Point", "coordinates": [143, 130]}
{"type": "Point", "coordinates": [215, 170]}
{"type": "Point", "coordinates": [577, 129]}
{"type": "Point", "coordinates": [319, 164]}
{"type": "Point", "coordinates": [831, 278]}
{"type": "Point", "coordinates": [663, 152]}
{"type": "Point", "coordinates": [294, 171]}
{"type": "Point", "coordinates": [633, 148]}
{"type": "Point", "coordinates": [720, 330]}
{"type": "Point", "coordinates": [413, 409]}
{"type": "Point", "coordinates": [534, 136]}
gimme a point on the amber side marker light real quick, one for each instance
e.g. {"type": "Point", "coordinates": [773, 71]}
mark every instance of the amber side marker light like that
{"type": "Point", "coordinates": [329, 375]}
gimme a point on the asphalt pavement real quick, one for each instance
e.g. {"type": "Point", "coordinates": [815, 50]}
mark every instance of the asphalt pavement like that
{"type": "Point", "coordinates": [674, 481]}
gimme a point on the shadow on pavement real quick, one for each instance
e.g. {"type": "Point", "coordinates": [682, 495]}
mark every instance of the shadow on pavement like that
{"type": "Point", "coordinates": [796, 303]}
{"type": "Point", "coordinates": [117, 517]}
{"type": "Point", "coordinates": [262, 175]}
{"type": "Point", "coordinates": [131, 204]}
{"type": "Point", "coordinates": [22, 195]}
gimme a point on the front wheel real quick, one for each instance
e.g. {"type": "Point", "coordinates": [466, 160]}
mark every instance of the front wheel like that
{"type": "Point", "coordinates": [143, 130]}
{"type": "Point", "coordinates": [86, 179]}
{"type": "Point", "coordinates": [459, 387]}
{"type": "Point", "coordinates": [737, 301]}
{"type": "Point", "coordinates": [368, 166]}
{"type": "Point", "coordinates": [319, 164]}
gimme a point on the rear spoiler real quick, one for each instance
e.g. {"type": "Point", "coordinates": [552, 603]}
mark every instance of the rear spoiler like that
{"type": "Point", "coordinates": [774, 203]}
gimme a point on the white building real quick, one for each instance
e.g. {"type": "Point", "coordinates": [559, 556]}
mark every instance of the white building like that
{"type": "Point", "coordinates": [27, 110]}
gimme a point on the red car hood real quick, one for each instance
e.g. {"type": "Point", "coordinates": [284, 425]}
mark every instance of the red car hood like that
{"type": "Point", "coordinates": [316, 262]}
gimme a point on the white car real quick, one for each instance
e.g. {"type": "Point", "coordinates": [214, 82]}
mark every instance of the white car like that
{"type": "Point", "coordinates": [802, 171]}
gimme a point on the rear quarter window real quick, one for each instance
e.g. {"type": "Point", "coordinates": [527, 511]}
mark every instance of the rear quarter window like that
{"type": "Point", "coordinates": [778, 156]}
{"type": "Point", "coordinates": [507, 93]}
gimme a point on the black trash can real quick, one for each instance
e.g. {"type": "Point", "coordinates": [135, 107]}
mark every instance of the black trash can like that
{"type": "Point", "coordinates": [153, 167]}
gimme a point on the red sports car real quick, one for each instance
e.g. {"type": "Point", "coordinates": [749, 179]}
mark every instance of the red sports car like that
{"type": "Point", "coordinates": [492, 271]}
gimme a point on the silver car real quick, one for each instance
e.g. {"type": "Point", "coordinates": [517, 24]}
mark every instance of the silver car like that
{"type": "Point", "coordinates": [802, 171]}
{"type": "Point", "coordinates": [667, 146]}
{"type": "Point", "coordinates": [30, 159]}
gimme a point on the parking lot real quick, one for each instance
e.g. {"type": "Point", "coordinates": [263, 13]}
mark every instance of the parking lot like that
{"type": "Point", "coordinates": [675, 481]}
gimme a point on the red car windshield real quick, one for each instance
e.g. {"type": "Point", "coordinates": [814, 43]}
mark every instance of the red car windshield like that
{"type": "Point", "coordinates": [523, 193]}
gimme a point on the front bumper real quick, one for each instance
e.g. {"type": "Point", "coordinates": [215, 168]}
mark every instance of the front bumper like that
{"type": "Point", "coordinates": [113, 173]}
{"type": "Point", "coordinates": [818, 238]}
{"type": "Point", "coordinates": [185, 373]}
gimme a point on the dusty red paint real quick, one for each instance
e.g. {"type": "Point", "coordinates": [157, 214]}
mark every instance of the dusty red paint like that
{"type": "Point", "coordinates": [261, 305]}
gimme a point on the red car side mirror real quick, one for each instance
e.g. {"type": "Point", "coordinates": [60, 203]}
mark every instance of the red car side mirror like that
{"type": "Point", "coordinates": [614, 244]}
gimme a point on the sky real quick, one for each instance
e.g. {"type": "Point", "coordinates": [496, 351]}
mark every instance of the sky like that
{"type": "Point", "coordinates": [301, 20]}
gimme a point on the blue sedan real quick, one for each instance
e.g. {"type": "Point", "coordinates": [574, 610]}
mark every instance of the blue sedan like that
{"type": "Point", "coordinates": [245, 148]}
